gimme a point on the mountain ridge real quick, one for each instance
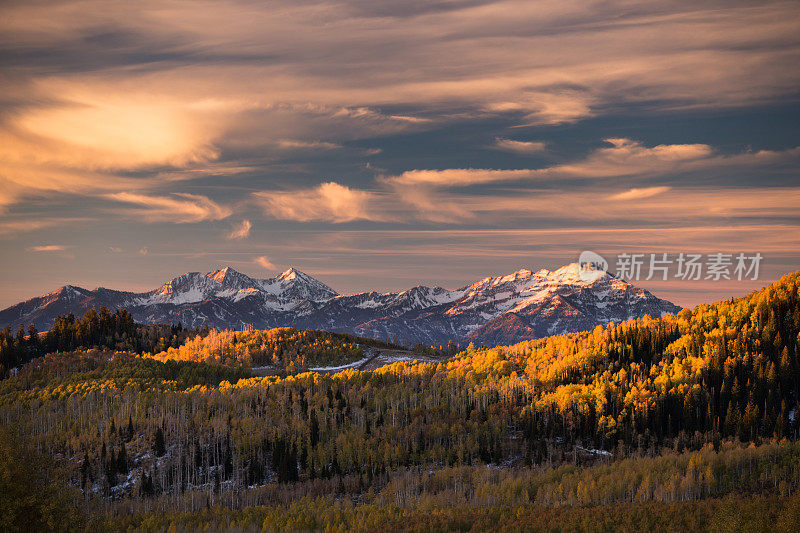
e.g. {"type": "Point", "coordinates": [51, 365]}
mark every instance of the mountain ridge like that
{"type": "Point", "coordinates": [517, 306]}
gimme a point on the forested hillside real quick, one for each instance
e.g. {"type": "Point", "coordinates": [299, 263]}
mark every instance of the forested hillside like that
{"type": "Point", "coordinates": [653, 422]}
{"type": "Point", "coordinates": [95, 329]}
{"type": "Point", "coordinates": [283, 349]}
{"type": "Point", "coordinates": [286, 349]}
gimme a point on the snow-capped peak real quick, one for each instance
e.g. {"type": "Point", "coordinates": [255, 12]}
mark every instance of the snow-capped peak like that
{"type": "Point", "coordinates": [231, 279]}
{"type": "Point", "coordinates": [220, 274]}
{"type": "Point", "coordinates": [298, 285]}
{"type": "Point", "coordinates": [573, 273]}
{"type": "Point", "coordinates": [290, 274]}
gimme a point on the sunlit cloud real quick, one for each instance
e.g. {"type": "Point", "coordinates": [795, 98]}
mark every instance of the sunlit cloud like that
{"type": "Point", "coordinates": [87, 140]}
{"type": "Point", "coordinates": [14, 227]}
{"type": "Point", "coordinates": [292, 144]}
{"type": "Point", "coordinates": [241, 231]}
{"type": "Point", "coordinates": [94, 131]}
{"type": "Point", "coordinates": [263, 262]}
{"type": "Point", "coordinates": [178, 207]}
{"type": "Point", "coordinates": [328, 201]}
{"type": "Point", "coordinates": [519, 147]}
{"type": "Point", "coordinates": [638, 193]}
{"type": "Point", "coordinates": [624, 157]}
{"type": "Point", "coordinates": [424, 190]}
{"type": "Point", "coordinates": [430, 193]}
{"type": "Point", "coordinates": [265, 73]}
{"type": "Point", "coordinates": [48, 248]}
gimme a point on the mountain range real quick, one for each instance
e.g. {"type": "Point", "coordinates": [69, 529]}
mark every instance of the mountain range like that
{"type": "Point", "coordinates": [494, 310]}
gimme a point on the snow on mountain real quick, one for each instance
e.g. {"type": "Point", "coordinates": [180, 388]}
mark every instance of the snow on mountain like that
{"type": "Point", "coordinates": [297, 286]}
{"type": "Point", "coordinates": [496, 309]}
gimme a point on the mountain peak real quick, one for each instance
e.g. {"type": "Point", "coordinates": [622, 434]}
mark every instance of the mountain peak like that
{"type": "Point", "coordinates": [292, 273]}
{"type": "Point", "coordinates": [574, 273]}
{"type": "Point", "coordinates": [222, 274]}
{"type": "Point", "coordinates": [301, 285]}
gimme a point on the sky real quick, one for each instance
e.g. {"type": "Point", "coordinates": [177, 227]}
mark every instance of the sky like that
{"type": "Point", "coordinates": [381, 145]}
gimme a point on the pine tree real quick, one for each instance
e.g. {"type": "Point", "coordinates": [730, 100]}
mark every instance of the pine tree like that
{"type": "Point", "coordinates": [159, 447]}
{"type": "Point", "coordinates": [122, 460]}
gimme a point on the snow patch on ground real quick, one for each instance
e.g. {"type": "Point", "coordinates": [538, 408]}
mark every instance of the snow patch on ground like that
{"type": "Point", "coordinates": [341, 367]}
{"type": "Point", "coordinates": [594, 451]}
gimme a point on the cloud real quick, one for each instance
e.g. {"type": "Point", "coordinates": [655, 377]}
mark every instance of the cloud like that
{"type": "Point", "coordinates": [624, 157]}
{"type": "Point", "coordinates": [100, 131]}
{"type": "Point", "coordinates": [89, 140]}
{"type": "Point", "coordinates": [178, 208]}
{"type": "Point", "coordinates": [458, 177]}
{"type": "Point", "coordinates": [330, 202]}
{"type": "Point", "coordinates": [520, 147]}
{"type": "Point", "coordinates": [425, 190]}
{"type": "Point", "coordinates": [13, 227]}
{"type": "Point", "coordinates": [636, 193]}
{"type": "Point", "coordinates": [308, 145]}
{"type": "Point", "coordinates": [240, 231]}
{"type": "Point", "coordinates": [132, 86]}
{"type": "Point", "coordinates": [111, 101]}
{"type": "Point", "coordinates": [48, 248]}
{"type": "Point", "coordinates": [592, 205]}
{"type": "Point", "coordinates": [264, 263]}
{"type": "Point", "coordinates": [435, 195]}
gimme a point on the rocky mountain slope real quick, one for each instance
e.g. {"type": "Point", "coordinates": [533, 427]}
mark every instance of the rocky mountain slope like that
{"type": "Point", "coordinates": [494, 310]}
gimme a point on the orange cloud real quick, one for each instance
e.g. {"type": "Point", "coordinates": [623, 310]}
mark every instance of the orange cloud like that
{"type": "Point", "coordinates": [520, 147]}
{"type": "Point", "coordinates": [328, 201]}
{"type": "Point", "coordinates": [241, 231]}
{"type": "Point", "coordinates": [264, 263]}
{"type": "Point", "coordinates": [48, 248]}
{"type": "Point", "coordinates": [638, 193]}
{"type": "Point", "coordinates": [178, 208]}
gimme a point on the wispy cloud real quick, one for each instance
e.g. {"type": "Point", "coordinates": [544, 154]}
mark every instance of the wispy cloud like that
{"type": "Point", "coordinates": [86, 113]}
{"type": "Point", "coordinates": [433, 194]}
{"type": "Point", "coordinates": [294, 144]}
{"type": "Point", "coordinates": [263, 262]}
{"type": "Point", "coordinates": [624, 157]}
{"type": "Point", "coordinates": [178, 207]}
{"type": "Point", "coordinates": [48, 248]}
{"type": "Point", "coordinates": [241, 230]}
{"type": "Point", "coordinates": [519, 147]}
{"type": "Point", "coordinates": [328, 201]}
{"type": "Point", "coordinates": [424, 190]}
{"type": "Point", "coordinates": [638, 193]}
{"type": "Point", "coordinates": [14, 227]}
